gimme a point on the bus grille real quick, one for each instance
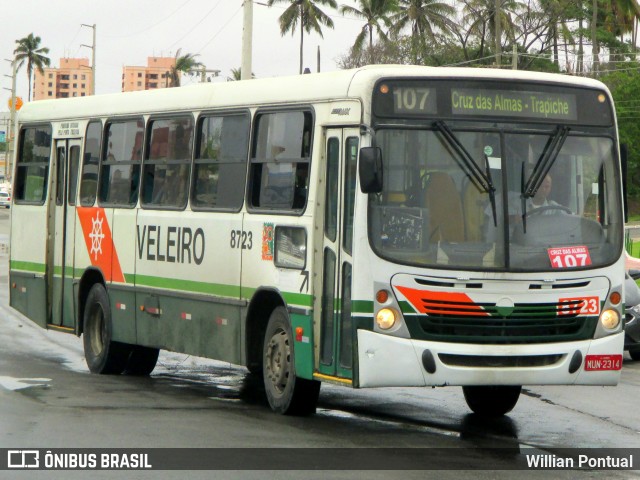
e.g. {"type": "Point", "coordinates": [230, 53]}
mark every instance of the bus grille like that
{"type": "Point", "coordinates": [462, 322]}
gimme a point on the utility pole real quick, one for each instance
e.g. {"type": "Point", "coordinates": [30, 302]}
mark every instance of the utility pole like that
{"type": "Point", "coordinates": [93, 56]}
{"type": "Point", "coordinates": [12, 119]}
{"type": "Point", "coordinates": [247, 34]}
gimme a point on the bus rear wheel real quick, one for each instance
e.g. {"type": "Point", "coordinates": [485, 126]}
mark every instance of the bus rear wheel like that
{"type": "Point", "coordinates": [492, 400]}
{"type": "Point", "coordinates": [287, 394]}
{"type": "Point", "coordinates": [101, 353]}
{"type": "Point", "coordinates": [142, 361]}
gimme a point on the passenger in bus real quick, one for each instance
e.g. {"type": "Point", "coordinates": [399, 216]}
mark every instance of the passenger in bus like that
{"type": "Point", "coordinates": [300, 186]}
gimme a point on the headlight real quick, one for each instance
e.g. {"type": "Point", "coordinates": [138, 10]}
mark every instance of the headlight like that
{"type": "Point", "coordinates": [386, 318]}
{"type": "Point", "coordinates": [610, 319]}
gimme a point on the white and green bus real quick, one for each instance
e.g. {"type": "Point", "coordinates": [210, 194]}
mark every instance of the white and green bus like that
{"type": "Point", "coordinates": [380, 227]}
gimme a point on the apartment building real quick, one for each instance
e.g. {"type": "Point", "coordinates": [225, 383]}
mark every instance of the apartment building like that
{"type": "Point", "coordinates": [73, 78]}
{"type": "Point", "coordinates": [154, 75]}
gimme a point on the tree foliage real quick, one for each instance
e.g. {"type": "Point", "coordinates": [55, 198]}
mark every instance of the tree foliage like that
{"type": "Point", "coordinates": [28, 50]}
{"type": "Point", "coordinates": [306, 15]}
{"type": "Point", "coordinates": [625, 89]}
{"type": "Point", "coordinates": [183, 64]}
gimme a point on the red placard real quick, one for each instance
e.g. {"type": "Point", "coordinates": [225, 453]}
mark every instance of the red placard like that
{"type": "Point", "coordinates": [603, 362]}
{"type": "Point", "coordinates": [579, 306]}
{"type": "Point", "coordinates": [569, 257]}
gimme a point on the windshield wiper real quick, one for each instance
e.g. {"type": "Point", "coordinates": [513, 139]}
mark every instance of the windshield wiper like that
{"type": "Point", "coordinates": [545, 162]}
{"type": "Point", "coordinates": [469, 165]}
{"type": "Point", "coordinates": [541, 169]}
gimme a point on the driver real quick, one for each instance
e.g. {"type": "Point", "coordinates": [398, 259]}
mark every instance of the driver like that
{"type": "Point", "coordinates": [534, 205]}
{"type": "Point", "coordinates": [540, 199]}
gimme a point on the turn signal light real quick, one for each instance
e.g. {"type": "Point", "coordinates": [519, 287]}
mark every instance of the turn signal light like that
{"type": "Point", "coordinates": [382, 296]}
{"type": "Point", "coordinates": [615, 298]}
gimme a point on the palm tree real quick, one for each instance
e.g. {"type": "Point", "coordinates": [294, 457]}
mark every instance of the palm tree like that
{"type": "Point", "coordinates": [308, 14]}
{"type": "Point", "coordinates": [424, 17]}
{"type": "Point", "coordinates": [183, 64]}
{"type": "Point", "coordinates": [489, 22]}
{"type": "Point", "coordinates": [30, 51]}
{"type": "Point", "coordinates": [559, 14]}
{"type": "Point", "coordinates": [374, 12]}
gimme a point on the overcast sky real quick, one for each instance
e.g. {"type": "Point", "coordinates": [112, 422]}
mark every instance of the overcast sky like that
{"type": "Point", "coordinates": [129, 31]}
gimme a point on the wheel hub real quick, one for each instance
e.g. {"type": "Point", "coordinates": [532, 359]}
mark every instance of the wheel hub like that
{"type": "Point", "coordinates": [278, 360]}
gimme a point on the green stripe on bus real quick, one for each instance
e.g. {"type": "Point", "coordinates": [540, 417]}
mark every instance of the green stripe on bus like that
{"type": "Point", "coordinates": [362, 306]}
{"type": "Point", "coordinates": [188, 286]}
{"type": "Point", "coordinates": [27, 266]}
{"type": "Point", "coordinates": [301, 299]}
{"type": "Point", "coordinates": [69, 271]}
{"type": "Point", "coordinates": [222, 290]}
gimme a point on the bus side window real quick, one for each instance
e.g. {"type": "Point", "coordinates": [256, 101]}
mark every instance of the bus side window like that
{"type": "Point", "coordinates": [120, 167]}
{"type": "Point", "coordinates": [167, 162]}
{"type": "Point", "coordinates": [90, 165]}
{"type": "Point", "coordinates": [280, 160]}
{"type": "Point", "coordinates": [221, 162]}
{"type": "Point", "coordinates": [33, 165]}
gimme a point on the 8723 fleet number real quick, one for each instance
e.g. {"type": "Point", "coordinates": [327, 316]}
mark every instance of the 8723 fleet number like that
{"type": "Point", "coordinates": [241, 239]}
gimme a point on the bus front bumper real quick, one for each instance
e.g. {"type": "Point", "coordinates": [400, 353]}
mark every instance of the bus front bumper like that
{"type": "Point", "coordinates": [386, 361]}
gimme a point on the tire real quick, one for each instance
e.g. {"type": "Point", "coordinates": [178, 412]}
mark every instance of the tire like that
{"type": "Point", "coordinates": [142, 361]}
{"type": "Point", "coordinates": [635, 354]}
{"type": "Point", "coordinates": [286, 393]}
{"type": "Point", "coordinates": [492, 400]}
{"type": "Point", "coordinates": [102, 354]}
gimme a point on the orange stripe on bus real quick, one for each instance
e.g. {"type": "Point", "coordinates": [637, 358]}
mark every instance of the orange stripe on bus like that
{"type": "Point", "coordinates": [446, 302]}
{"type": "Point", "coordinates": [97, 236]}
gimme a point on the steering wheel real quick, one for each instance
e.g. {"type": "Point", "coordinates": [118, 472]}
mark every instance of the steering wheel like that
{"type": "Point", "coordinates": [546, 208]}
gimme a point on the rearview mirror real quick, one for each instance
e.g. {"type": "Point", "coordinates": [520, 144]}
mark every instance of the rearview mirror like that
{"type": "Point", "coordinates": [370, 170]}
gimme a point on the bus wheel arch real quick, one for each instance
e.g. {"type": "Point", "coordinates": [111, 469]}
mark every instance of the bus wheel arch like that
{"type": "Point", "coordinates": [89, 279]}
{"type": "Point", "coordinates": [262, 304]}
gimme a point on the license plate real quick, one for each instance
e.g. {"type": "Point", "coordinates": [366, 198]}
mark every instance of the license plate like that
{"type": "Point", "coordinates": [603, 362]}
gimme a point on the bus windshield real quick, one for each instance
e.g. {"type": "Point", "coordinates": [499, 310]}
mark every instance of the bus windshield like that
{"type": "Point", "coordinates": [464, 196]}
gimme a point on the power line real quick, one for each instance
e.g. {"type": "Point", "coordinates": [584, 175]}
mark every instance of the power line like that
{"type": "Point", "coordinates": [152, 26]}
{"type": "Point", "coordinates": [221, 29]}
{"type": "Point", "coordinates": [190, 30]}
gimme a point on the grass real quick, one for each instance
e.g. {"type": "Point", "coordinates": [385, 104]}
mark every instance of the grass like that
{"type": "Point", "coordinates": [634, 251]}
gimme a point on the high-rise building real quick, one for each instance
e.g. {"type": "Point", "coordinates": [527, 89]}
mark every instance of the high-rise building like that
{"type": "Point", "coordinates": [154, 75]}
{"type": "Point", "coordinates": [72, 79]}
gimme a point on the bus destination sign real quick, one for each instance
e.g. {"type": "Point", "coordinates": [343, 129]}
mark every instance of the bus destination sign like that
{"type": "Point", "coordinates": [511, 103]}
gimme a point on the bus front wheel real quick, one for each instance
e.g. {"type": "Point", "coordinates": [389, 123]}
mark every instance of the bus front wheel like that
{"type": "Point", "coordinates": [286, 393]}
{"type": "Point", "coordinates": [492, 400]}
{"type": "Point", "coordinates": [102, 354]}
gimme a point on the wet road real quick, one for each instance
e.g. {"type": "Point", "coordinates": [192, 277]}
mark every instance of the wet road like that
{"type": "Point", "coordinates": [49, 400]}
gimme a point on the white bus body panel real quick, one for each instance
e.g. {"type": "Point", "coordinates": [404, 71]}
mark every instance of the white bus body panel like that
{"type": "Point", "coordinates": [385, 361]}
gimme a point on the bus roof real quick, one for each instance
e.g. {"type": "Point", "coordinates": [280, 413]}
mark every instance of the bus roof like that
{"type": "Point", "coordinates": [276, 90]}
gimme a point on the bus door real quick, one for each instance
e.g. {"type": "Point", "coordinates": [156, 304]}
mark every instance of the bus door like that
{"type": "Point", "coordinates": [61, 239]}
{"type": "Point", "coordinates": [336, 333]}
